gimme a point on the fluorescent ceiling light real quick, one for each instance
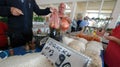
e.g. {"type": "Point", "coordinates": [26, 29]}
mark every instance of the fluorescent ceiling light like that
{"type": "Point", "coordinates": [97, 11]}
{"type": "Point", "coordinates": [67, 11]}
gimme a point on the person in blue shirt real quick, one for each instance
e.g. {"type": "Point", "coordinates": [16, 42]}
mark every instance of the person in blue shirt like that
{"type": "Point", "coordinates": [79, 20]}
{"type": "Point", "coordinates": [84, 22]}
{"type": "Point", "coordinates": [81, 23]}
{"type": "Point", "coordinates": [20, 19]}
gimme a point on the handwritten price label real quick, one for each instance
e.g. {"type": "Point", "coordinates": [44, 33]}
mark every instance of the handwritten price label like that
{"type": "Point", "coordinates": [63, 56]}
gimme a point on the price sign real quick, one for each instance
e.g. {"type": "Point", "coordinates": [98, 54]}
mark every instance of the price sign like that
{"type": "Point", "coordinates": [63, 56]}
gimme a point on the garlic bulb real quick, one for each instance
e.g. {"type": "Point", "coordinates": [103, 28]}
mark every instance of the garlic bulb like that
{"type": "Point", "coordinates": [83, 40]}
{"type": "Point", "coordinates": [67, 40]}
{"type": "Point", "coordinates": [77, 45]}
{"type": "Point", "coordinates": [96, 59]}
{"type": "Point", "coordinates": [95, 47]}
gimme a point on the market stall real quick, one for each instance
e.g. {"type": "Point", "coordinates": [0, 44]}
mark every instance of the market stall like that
{"type": "Point", "coordinates": [73, 46]}
{"type": "Point", "coordinates": [85, 48]}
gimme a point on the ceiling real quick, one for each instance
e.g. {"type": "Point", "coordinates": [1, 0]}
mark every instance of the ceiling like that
{"type": "Point", "coordinates": [92, 4]}
{"type": "Point", "coordinates": [41, 2]}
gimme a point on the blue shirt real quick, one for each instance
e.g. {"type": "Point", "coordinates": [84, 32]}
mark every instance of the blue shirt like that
{"type": "Point", "coordinates": [83, 23]}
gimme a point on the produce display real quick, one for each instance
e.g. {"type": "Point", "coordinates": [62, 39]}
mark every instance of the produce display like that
{"type": "Point", "coordinates": [82, 43]}
{"type": "Point", "coordinates": [93, 50]}
{"type": "Point", "coordinates": [95, 47]}
{"type": "Point", "coordinates": [77, 45]}
{"type": "Point", "coordinates": [67, 40]}
{"type": "Point", "coordinates": [89, 37]}
{"type": "Point", "coordinates": [28, 60]}
{"type": "Point", "coordinates": [90, 47]}
{"type": "Point", "coordinates": [96, 59]}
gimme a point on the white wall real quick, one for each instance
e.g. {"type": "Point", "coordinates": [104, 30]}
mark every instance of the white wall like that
{"type": "Point", "coordinates": [115, 15]}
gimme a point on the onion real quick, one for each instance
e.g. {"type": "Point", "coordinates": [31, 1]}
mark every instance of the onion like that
{"type": "Point", "coordinates": [83, 40]}
{"type": "Point", "coordinates": [64, 24]}
{"type": "Point", "coordinates": [94, 47]}
{"type": "Point", "coordinates": [67, 40]}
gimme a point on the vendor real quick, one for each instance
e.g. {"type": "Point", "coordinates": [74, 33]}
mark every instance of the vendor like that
{"type": "Point", "coordinates": [59, 22]}
{"type": "Point", "coordinates": [64, 19]}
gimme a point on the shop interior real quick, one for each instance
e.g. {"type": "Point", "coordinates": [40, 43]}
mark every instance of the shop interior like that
{"type": "Point", "coordinates": [79, 39]}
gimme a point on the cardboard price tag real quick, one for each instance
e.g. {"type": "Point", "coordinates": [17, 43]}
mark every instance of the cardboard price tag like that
{"type": "Point", "coordinates": [63, 56]}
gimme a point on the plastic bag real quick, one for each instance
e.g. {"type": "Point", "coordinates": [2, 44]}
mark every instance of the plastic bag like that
{"type": "Point", "coordinates": [64, 24]}
{"type": "Point", "coordinates": [54, 20]}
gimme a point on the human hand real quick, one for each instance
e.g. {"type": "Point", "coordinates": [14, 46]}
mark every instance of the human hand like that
{"type": "Point", "coordinates": [53, 9]}
{"type": "Point", "coordinates": [16, 11]}
{"type": "Point", "coordinates": [110, 37]}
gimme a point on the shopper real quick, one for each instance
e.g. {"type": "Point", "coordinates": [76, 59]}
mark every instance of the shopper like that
{"type": "Point", "coordinates": [81, 23]}
{"type": "Point", "coordinates": [112, 52]}
{"type": "Point", "coordinates": [20, 24]}
{"type": "Point", "coordinates": [79, 20]}
{"type": "Point", "coordinates": [61, 10]}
